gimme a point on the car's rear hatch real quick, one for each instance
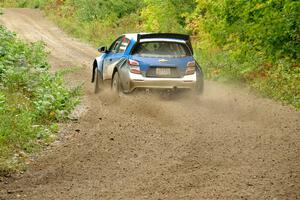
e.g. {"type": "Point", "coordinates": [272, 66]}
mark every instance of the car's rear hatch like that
{"type": "Point", "coordinates": [162, 59]}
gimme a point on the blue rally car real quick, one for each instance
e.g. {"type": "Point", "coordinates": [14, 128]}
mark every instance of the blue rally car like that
{"type": "Point", "coordinates": [148, 60]}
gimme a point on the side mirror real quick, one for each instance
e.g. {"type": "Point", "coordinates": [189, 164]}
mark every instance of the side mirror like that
{"type": "Point", "coordinates": [102, 49]}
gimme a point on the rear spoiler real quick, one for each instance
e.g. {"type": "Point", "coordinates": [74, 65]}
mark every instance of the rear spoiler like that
{"type": "Point", "coordinates": [177, 36]}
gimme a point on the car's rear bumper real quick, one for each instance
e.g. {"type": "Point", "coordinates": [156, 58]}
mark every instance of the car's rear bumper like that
{"type": "Point", "coordinates": [139, 81]}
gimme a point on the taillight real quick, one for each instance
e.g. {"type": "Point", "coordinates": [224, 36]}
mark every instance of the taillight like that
{"type": "Point", "coordinates": [190, 68]}
{"type": "Point", "coordinates": [134, 66]}
{"type": "Point", "coordinates": [133, 62]}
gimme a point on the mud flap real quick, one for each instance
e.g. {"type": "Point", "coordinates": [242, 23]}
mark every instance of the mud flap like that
{"type": "Point", "coordinates": [200, 79]}
{"type": "Point", "coordinates": [94, 71]}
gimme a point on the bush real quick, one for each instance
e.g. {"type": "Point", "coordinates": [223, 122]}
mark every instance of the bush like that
{"type": "Point", "coordinates": [31, 99]}
{"type": "Point", "coordinates": [257, 43]}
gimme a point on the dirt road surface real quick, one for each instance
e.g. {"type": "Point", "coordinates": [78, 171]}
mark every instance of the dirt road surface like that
{"type": "Point", "coordinates": [227, 144]}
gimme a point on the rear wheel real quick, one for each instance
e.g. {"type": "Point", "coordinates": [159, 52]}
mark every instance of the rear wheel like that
{"type": "Point", "coordinates": [98, 81]}
{"type": "Point", "coordinates": [115, 85]}
{"type": "Point", "coordinates": [199, 83]}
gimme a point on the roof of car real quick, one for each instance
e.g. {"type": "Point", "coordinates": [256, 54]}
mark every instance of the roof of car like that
{"type": "Point", "coordinates": [133, 35]}
{"type": "Point", "coordinates": [170, 37]}
{"type": "Point", "coordinates": [173, 36]}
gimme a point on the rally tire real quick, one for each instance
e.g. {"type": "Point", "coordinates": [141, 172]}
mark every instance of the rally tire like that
{"type": "Point", "coordinates": [98, 81]}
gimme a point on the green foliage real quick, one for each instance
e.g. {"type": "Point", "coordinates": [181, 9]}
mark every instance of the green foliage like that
{"type": "Point", "coordinates": [90, 10]}
{"type": "Point", "coordinates": [166, 15]}
{"type": "Point", "coordinates": [156, 18]}
{"type": "Point", "coordinates": [271, 27]}
{"type": "Point", "coordinates": [256, 42]}
{"type": "Point", "coordinates": [281, 82]}
{"type": "Point", "coordinates": [31, 99]}
{"type": "Point", "coordinates": [8, 3]}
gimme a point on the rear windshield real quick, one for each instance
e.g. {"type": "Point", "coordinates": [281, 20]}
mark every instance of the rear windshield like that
{"type": "Point", "coordinates": [162, 49]}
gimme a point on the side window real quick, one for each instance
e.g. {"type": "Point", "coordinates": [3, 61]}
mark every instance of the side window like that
{"type": "Point", "coordinates": [114, 46]}
{"type": "Point", "coordinates": [124, 44]}
{"type": "Point", "coordinates": [120, 45]}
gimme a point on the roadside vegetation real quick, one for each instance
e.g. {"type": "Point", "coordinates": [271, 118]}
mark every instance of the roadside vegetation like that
{"type": "Point", "coordinates": [32, 100]}
{"type": "Point", "coordinates": [256, 43]}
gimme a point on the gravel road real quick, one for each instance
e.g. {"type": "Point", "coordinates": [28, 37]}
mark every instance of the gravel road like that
{"type": "Point", "coordinates": [227, 144]}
